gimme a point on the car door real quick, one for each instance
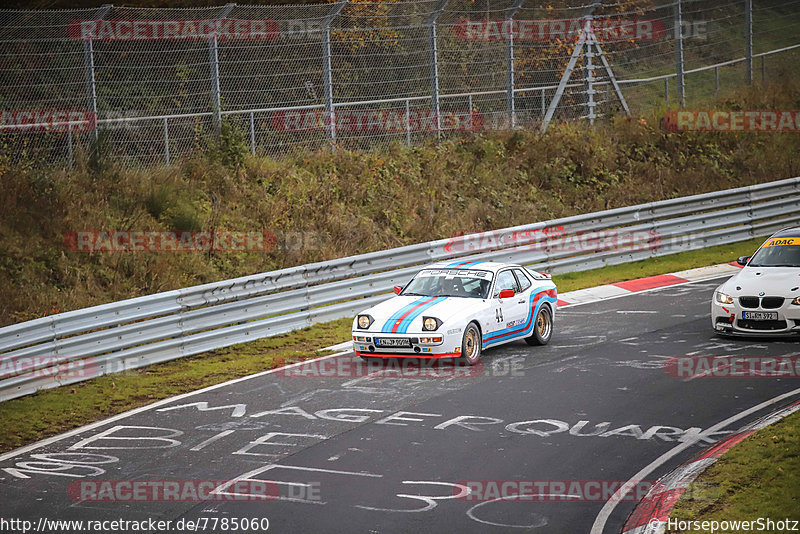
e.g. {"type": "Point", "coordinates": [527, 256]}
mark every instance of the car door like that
{"type": "Point", "coordinates": [508, 312]}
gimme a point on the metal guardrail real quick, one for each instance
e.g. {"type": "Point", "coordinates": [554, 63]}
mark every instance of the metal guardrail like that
{"type": "Point", "coordinates": [75, 346]}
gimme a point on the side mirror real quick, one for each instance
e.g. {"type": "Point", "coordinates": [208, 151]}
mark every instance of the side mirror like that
{"type": "Point", "coordinates": [506, 293]}
{"type": "Point", "coordinates": [742, 260]}
{"type": "Point", "coordinates": [397, 290]}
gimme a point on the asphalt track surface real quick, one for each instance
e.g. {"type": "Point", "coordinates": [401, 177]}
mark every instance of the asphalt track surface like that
{"type": "Point", "coordinates": [373, 469]}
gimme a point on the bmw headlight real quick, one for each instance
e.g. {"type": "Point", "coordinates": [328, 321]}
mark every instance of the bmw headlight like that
{"type": "Point", "coordinates": [723, 298]}
{"type": "Point", "coordinates": [430, 323]}
{"type": "Point", "coordinates": [364, 321]}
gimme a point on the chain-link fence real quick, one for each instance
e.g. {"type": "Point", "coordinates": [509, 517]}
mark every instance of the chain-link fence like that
{"type": "Point", "coordinates": [153, 85]}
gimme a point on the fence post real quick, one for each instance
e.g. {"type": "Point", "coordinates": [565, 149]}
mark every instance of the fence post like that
{"type": "Point", "coordinates": [434, 59]}
{"type": "Point", "coordinates": [588, 74]}
{"type": "Point", "coordinates": [252, 134]}
{"type": "Point", "coordinates": [666, 92]}
{"type": "Point", "coordinates": [166, 142]}
{"type": "Point", "coordinates": [679, 55]}
{"type": "Point", "coordinates": [509, 39]}
{"type": "Point", "coordinates": [408, 123]}
{"type": "Point", "coordinates": [69, 148]}
{"type": "Point", "coordinates": [748, 39]}
{"type": "Point", "coordinates": [716, 80]}
{"type": "Point", "coordinates": [327, 69]}
{"type": "Point", "coordinates": [216, 98]}
{"type": "Point", "coordinates": [91, 80]}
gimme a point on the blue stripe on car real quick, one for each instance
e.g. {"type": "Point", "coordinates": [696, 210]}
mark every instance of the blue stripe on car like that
{"type": "Point", "coordinates": [387, 326]}
{"type": "Point", "coordinates": [403, 327]}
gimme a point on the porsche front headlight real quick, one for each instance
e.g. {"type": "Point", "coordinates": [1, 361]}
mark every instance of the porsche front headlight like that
{"type": "Point", "coordinates": [430, 323]}
{"type": "Point", "coordinates": [723, 298]}
{"type": "Point", "coordinates": [796, 301]}
{"type": "Point", "coordinates": [364, 321]}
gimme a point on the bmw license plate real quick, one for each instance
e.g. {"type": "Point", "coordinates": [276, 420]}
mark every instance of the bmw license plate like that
{"type": "Point", "coordinates": [392, 342]}
{"type": "Point", "coordinates": [760, 316]}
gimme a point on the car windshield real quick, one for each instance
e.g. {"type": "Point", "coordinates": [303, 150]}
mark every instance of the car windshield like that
{"type": "Point", "coordinates": [450, 283]}
{"type": "Point", "coordinates": [778, 252]}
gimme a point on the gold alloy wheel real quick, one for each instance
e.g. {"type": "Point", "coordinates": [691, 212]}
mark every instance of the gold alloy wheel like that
{"type": "Point", "coordinates": [471, 343]}
{"type": "Point", "coordinates": [544, 323]}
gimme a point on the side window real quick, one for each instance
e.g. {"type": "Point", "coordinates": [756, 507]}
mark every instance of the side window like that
{"type": "Point", "coordinates": [505, 280]}
{"type": "Point", "coordinates": [524, 281]}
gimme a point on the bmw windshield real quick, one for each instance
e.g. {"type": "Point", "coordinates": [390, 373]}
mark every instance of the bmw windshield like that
{"type": "Point", "coordinates": [450, 283]}
{"type": "Point", "coordinates": [778, 252]}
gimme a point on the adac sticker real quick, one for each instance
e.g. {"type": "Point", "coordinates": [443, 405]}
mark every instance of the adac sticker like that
{"type": "Point", "coordinates": [782, 241]}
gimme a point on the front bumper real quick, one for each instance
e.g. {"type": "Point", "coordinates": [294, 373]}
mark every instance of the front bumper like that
{"type": "Point", "coordinates": [372, 344]}
{"type": "Point", "coordinates": [728, 319]}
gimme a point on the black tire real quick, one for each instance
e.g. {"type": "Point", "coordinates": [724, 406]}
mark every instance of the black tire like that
{"type": "Point", "coordinates": [542, 327]}
{"type": "Point", "coordinates": [471, 345]}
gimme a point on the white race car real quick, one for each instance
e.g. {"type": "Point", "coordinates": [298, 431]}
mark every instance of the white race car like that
{"type": "Point", "coordinates": [764, 298]}
{"type": "Point", "coordinates": [457, 309]}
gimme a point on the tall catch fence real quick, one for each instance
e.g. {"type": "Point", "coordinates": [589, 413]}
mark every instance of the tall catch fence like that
{"type": "Point", "coordinates": [149, 86]}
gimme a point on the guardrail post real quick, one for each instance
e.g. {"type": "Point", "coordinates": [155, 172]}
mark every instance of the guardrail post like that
{"type": "Point", "coordinates": [434, 60]}
{"type": "Point", "coordinates": [679, 54]}
{"type": "Point", "coordinates": [91, 80]}
{"type": "Point", "coordinates": [748, 39]}
{"type": "Point", "coordinates": [327, 74]}
{"type": "Point", "coordinates": [216, 98]}
{"type": "Point", "coordinates": [509, 39]}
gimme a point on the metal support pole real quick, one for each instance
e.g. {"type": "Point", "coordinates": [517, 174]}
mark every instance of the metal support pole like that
{"type": "Point", "coordinates": [434, 60]}
{"type": "Point", "coordinates": [544, 104]}
{"type": "Point", "coordinates": [252, 134]}
{"type": "Point", "coordinates": [509, 39]}
{"type": "Point", "coordinates": [216, 98]}
{"type": "Point", "coordinates": [666, 92]}
{"type": "Point", "coordinates": [69, 146]}
{"type": "Point", "coordinates": [166, 142]}
{"type": "Point", "coordinates": [588, 74]}
{"type": "Point", "coordinates": [408, 123]}
{"type": "Point", "coordinates": [679, 55]}
{"type": "Point", "coordinates": [716, 80]}
{"type": "Point", "coordinates": [748, 39]}
{"type": "Point", "coordinates": [327, 69]}
{"type": "Point", "coordinates": [91, 80]}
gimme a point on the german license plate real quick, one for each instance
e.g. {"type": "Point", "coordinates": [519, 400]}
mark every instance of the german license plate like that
{"type": "Point", "coordinates": [760, 316]}
{"type": "Point", "coordinates": [393, 342]}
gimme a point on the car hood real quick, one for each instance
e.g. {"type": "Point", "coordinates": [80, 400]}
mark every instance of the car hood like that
{"type": "Point", "coordinates": [775, 281]}
{"type": "Point", "coordinates": [413, 309]}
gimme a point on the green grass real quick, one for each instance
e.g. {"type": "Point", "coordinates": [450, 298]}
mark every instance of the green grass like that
{"type": "Point", "coordinates": [757, 478]}
{"type": "Point", "coordinates": [49, 412]}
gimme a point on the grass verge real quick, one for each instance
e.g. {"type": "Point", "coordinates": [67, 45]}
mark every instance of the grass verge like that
{"type": "Point", "coordinates": [758, 478]}
{"type": "Point", "coordinates": [50, 412]}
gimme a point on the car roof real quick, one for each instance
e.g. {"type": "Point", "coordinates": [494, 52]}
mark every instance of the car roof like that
{"type": "Point", "coordinates": [471, 265]}
{"type": "Point", "coordinates": [792, 231]}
